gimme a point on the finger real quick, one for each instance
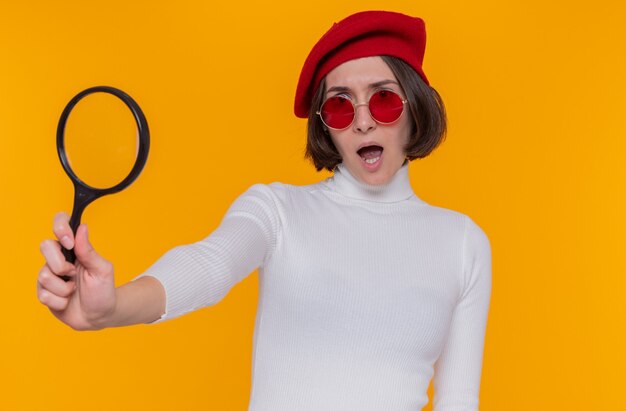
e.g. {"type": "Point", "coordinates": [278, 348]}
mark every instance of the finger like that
{"type": "Point", "coordinates": [53, 302]}
{"type": "Point", "coordinates": [87, 255]}
{"type": "Point", "coordinates": [51, 251]}
{"type": "Point", "coordinates": [62, 230]}
{"type": "Point", "coordinates": [50, 282]}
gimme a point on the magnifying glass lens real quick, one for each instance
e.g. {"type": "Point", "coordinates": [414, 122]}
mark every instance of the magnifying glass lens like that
{"type": "Point", "coordinates": [101, 140]}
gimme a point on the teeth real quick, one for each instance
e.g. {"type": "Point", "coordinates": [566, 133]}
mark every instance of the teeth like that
{"type": "Point", "coordinates": [372, 160]}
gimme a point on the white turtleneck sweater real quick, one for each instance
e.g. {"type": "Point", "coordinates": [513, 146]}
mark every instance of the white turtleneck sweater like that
{"type": "Point", "coordinates": [365, 293]}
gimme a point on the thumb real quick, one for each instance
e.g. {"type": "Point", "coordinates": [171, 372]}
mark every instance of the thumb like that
{"type": "Point", "coordinates": [93, 262]}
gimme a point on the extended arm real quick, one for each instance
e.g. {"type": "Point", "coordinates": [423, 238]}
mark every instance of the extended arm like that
{"type": "Point", "coordinates": [200, 274]}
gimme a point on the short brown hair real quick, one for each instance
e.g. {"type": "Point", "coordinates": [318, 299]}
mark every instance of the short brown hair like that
{"type": "Point", "coordinates": [428, 119]}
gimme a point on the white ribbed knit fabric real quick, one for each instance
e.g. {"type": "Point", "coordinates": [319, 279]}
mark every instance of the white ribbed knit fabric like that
{"type": "Point", "coordinates": [365, 293]}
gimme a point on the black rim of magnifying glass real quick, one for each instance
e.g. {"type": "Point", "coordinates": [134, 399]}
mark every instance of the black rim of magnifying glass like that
{"type": "Point", "coordinates": [142, 153]}
{"type": "Point", "coordinates": [84, 194]}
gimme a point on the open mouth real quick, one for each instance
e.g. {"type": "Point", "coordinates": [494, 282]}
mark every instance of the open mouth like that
{"type": "Point", "coordinates": [370, 154]}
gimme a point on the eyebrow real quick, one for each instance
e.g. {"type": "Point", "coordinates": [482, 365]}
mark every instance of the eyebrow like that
{"type": "Point", "coordinates": [343, 89]}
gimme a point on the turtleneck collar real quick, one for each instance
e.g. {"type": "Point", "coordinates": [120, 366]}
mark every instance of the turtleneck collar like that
{"type": "Point", "coordinates": [398, 188]}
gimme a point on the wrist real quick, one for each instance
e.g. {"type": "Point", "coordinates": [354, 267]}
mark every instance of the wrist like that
{"type": "Point", "coordinates": [106, 318]}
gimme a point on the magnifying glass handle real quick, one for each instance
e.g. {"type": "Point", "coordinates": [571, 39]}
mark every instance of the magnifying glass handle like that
{"type": "Point", "coordinates": [82, 197]}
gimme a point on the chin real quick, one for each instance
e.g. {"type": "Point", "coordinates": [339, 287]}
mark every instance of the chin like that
{"type": "Point", "coordinates": [377, 179]}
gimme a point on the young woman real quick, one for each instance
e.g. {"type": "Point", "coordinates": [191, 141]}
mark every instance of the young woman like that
{"type": "Point", "coordinates": [366, 291]}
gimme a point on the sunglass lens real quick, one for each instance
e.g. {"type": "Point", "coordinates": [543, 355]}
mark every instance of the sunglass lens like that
{"type": "Point", "coordinates": [386, 106]}
{"type": "Point", "coordinates": [337, 112]}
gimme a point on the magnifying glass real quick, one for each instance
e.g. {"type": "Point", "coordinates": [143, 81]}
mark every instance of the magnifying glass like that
{"type": "Point", "coordinates": [92, 188]}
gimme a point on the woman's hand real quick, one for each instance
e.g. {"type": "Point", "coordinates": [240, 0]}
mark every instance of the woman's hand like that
{"type": "Point", "coordinates": [88, 299]}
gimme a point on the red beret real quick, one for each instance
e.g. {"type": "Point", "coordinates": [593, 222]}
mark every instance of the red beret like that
{"type": "Point", "coordinates": [364, 34]}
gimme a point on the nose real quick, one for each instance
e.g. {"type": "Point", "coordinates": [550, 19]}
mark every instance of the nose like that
{"type": "Point", "coordinates": [363, 121]}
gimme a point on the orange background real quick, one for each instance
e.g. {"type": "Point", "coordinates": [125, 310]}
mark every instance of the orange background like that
{"type": "Point", "coordinates": [536, 98]}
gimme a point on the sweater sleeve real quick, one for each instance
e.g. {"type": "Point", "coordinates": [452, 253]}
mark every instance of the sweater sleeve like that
{"type": "Point", "coordinates": [458, 368]}
{"type": "Point", "coordinates": [201, 274]}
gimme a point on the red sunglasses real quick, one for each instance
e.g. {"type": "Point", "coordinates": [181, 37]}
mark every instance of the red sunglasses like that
{"type": "Point", "coordinates": [385, 107]}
